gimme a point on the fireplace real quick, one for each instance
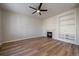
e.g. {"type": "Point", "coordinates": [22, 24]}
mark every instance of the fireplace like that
{"type": "Point", "coordinates": [49, 34]}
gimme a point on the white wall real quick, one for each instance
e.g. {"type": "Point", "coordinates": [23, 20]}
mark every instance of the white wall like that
{"type": "Point", "coordinates": [50, 24]}
{"type": "Point", "coordinates": [17, 27]}
{"type": "Point", "coordinates": [0, 27]}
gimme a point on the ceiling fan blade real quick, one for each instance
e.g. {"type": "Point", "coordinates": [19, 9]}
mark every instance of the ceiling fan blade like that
{"type": "Point", "coordinates": [32, 8]}
{"type": "Point", "coordinates": [39, 13]}
{"type": "Point", "coordinates": [43, 10]}
{"type": "Point", "coordinates": [40, 6]}
{"type": "Point", "coordinates": [34, 12]}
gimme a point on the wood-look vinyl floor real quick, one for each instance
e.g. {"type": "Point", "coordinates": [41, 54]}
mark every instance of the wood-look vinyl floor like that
{"type": "Point", "coordinates": [39, 47]}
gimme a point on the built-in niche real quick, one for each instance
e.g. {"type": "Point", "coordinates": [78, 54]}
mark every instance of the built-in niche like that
{"type": "Point", "coordinates": [67, 26]}
{"type": "Point", "coordinates": [49, 34]}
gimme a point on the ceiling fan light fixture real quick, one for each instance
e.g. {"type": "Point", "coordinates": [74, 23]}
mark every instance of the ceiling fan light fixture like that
{"type": "Point", "coordinates": [38, 11]}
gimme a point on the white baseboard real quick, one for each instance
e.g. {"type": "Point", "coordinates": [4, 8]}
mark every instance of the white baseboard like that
{"type": "Point", "coordinates": [68, 41]}
{"type": "Point", "coordinates": [20, 39]}
{"type": "Point", "coordinates": [40, 36]}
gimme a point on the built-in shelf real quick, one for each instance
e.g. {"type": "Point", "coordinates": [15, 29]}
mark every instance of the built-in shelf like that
{"type": "Point", "coordinates": [67, 27]}
{"type": "Point", "coordinates": [67, 18]}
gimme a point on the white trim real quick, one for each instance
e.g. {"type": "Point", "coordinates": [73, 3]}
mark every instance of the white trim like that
{"type": "Point", "coordinates": [20, 39]}
{"type": "Point", "coordinates": [68, 41]}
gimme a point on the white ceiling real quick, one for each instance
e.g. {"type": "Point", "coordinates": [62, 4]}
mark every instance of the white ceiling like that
{"type": "Point", "coordinates": [53, 8]}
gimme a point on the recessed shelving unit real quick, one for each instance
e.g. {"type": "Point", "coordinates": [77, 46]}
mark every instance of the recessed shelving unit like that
{"type": "Point", "coordinates": [67, 26]}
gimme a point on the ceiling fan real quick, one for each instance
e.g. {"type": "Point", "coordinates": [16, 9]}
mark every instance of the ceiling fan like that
{"type": "Point", "coordinates": [38, 10]}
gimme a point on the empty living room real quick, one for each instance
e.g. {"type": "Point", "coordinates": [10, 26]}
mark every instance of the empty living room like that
{"type": "Point", "coordinates": [39, 29]}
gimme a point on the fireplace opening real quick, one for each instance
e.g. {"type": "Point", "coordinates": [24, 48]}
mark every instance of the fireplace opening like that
{"type": "Point", "coordinates": [49, 34]}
